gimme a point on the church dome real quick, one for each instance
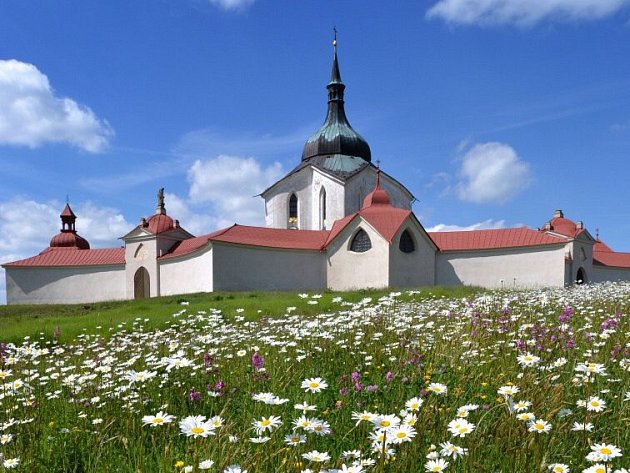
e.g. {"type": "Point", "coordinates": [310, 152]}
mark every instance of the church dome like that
{"type": "Point", "coordinates": [562, 225]}
{"type": "Point", "coordinates": [336, 137]}
{"type": "Point", "coordinates": [159, 223]}
{"type": "Point", "coordinates": [69, 240]}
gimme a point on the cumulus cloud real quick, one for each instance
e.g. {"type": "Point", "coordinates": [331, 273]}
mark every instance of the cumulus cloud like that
{"type": "Point", "coordinates": [31, 114]}
{"type": "Point", "coordinates": [485, 225]}
{"type": "Point", "coordinates": [230, 184]}
{"type": "Point", "coordinates": [492, 173]}
{"type": "Point", "coordinates": [232, 4]}
{"type": "Point", "coordinates": [522, 12]}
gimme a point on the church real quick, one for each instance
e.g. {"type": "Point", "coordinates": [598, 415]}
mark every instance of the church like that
{"type": "Point", "coordinates": [336, 221]}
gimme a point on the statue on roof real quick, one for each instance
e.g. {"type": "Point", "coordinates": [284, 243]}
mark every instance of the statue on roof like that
{"type": "Point", "coordinates": [160, 201]}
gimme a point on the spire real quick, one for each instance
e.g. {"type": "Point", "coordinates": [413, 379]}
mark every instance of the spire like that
{"type": "Point", "coordinates": [68, 219]}
{"type": "Point", "coordinates": [336, 136]}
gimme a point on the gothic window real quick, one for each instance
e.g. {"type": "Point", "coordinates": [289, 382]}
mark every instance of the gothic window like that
{"type": "Point", "coordinates": [406, 244]}
{"type": "Point", "coordinates": [293, 206]}
{"type": "Point", "coordinates": [361, 242]}
{"type": "Point", "coordinates": [293, 211]}
{"type": "Point", "coordinates": [322, 209]}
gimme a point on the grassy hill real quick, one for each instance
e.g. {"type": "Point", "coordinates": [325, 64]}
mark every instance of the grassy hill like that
{"type": "Point", "coordinates": [70, 320]}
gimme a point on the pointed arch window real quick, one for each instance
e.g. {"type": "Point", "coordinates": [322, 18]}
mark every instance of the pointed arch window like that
{"type": "Point", "coordinates": [322, 209]}
{"type": "Point", "coordinates": [406, 243]}
{"type": "Point", "coordinates": [293, 211]}
{"type": "Point", "coordinates": [361, 242]}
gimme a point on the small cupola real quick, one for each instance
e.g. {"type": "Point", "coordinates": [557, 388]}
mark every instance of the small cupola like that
{"type": "Point", "coordinates": [68, 237]}
{"type": "Point", "coordinates": [378, 196]}
{"type": "Point", "coordinates": [160, 221]}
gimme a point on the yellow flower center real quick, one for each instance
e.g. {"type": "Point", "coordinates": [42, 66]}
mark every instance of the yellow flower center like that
{"type": "Point", "coordinates": [385, 423]}
{"type": "Point", "coordinates": [158, 420]}
{"type": "Point", "coordinates": [605, 451]}
{"type": "Point", "coordinates": [600, 470]}
{"type": "Point", "coordinates": [314, 385]}
{"type": "Point", "coordinates": [401, 435]}
{"type": "Point", "coordinates": [558, 469]}
{"type": "Point", "coordinates": [265, 422]}
{"type": "Point", "coordinates": [462, 430]}
{"type": "Point", "coordinates": [197, 430]}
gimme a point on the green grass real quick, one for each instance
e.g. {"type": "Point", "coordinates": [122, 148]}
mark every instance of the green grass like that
{"type": "Point", "coordinates": [35, 321]}
{"type": "Point", "coordinates": [76, 410]}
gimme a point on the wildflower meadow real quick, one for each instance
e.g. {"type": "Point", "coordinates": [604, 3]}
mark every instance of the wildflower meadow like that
{"type": "Point", "coordinates": [505, 381]}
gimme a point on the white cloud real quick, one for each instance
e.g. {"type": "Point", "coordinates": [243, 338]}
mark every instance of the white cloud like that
{"type": "Point", "coordinates": [31, 114]}
{"type": "Point", "coordinates": [485, 225]}
{"type": "Point", "coordinates": [232, 4]}
{"type": "Point", "coordinates": [522, 12]}
{"type": "Point", "coordinates": [492, 173]}
{"type": "Point", "coordinates": [230, 184]}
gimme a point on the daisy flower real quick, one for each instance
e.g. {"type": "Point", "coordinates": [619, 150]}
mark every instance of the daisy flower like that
{"type": "Point", "coordinates": [598, 468]}
{"type": "Point", "coordinates": [402, 433]}
{"type": "Point", "coordinates": [437, 388]}
{"type": "Point", "coordinates": [558, 468]}
{"type": "Point", "coordinates": [315, 456]}
{"type": "Point", "coordinates": [605, 452]}
{"type": "Point", "coordinates": [11, 463]}
{"type": "Point", "coordinates": [460, 428]}
{"type": "Point", "coordinates": [158, 419]}
{"type": "Point", "coordinates": [414, 404]}
{"type": "Point", "coordinates": [294, 439]}
{"type": "Point", "coordinates": [577, 426]}
{"type": "Point", "coordinates": [528, 360]}
{"type": "Point", "coordinates": [206, 464]}
{"type": "Point", "coordinates": [266, 423]}
{"type": "Point", "coordinates": [539, 426]}
{"type": "Point", "coordinates": [595, 404]}
{"type": "Point", "coordinates": [365, 415]}
{"type": "Point", "coordinates": [314, 385]}
{"type": "Point", "coordinates": [526, 417]}
{"type": "Point", "coordinates": [436, 465]}
{"type": "Point", "coordinates": [508, 390]}
{"type": "Point", "coordinates": [305, 407]}
{"type": "Point", "coordinates": [522, 405]}
{"type": "Point", "coordinates": [450, 450]}
{"type": "Point", "coordinates": [385, 422]}
{"type": "Point", "coordinates": [196, 426]}
{"type": "Point", "coordinates": [234, 469]}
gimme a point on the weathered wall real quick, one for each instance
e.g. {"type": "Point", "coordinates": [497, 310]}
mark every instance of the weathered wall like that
{"type": "Point", "coordinates": [348, 270]}
{"type": "Point", "coordinates": [242, 268]}
{"type": "Point", "coordinates": [65, 285]}
{"type": "Point", "coordinates": [188, 274]}
{"type": "Point", "coordinates": [412, 269]}
{"type": "Point", "coordinates": [521, 267]}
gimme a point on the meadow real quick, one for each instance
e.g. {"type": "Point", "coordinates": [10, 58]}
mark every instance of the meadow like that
{"type": "Point", "coordinates": [410, 381]}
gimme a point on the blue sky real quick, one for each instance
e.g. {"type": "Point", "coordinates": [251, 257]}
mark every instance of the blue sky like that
{"type": "Point", "coordinates": [493, 113]}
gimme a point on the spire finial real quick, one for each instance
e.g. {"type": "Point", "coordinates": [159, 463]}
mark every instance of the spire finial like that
{"type": "Point", "coordinates": [67, 199]}
{"type": "Point", "coordinates": [160, 209]}
{"type": "Point", "coordinates": [335, 39]}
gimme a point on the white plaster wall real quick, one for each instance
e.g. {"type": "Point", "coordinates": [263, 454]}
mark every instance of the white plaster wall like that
{"type": "Point", "coordinates": [348, 270]}
{"type": "Point", "coordinates": [241, 268]}
{"type": "Point", "coordinates": [360, 185]}
{"type": "Point", "coordinates": [412, 269]}
{"type": "Point", "coordinates": [187, 275]}
{"type": "Point", "coordinates": [277, 200]}
{"type": "Point", "coordinates": [334, 200]}
{"type": "Point", "coordinates": [532, 267]}
{"type": "Point", "coordinates": [609, 273]}
{"type": "Point", "coordinates": [65, 285]}
{"type": "Point", "coordinates": [147, 258]}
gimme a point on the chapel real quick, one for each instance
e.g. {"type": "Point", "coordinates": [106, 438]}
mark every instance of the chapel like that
{"type": "Point", "coordinates": [335, 221]}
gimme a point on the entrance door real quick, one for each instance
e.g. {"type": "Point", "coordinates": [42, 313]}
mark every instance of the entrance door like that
{"type": "Point", "coordinates": [141, 284]}
{"type": "Point", "coordinates": [581, 276]}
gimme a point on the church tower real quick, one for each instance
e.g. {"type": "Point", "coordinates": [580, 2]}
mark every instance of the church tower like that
{"type": "Point", "coordinates": [334, 175]}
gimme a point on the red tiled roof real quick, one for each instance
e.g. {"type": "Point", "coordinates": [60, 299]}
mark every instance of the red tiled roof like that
{"type": "Point", "coordinates": [69, 239]}
{"type": "Point", "coordinates": [605, 256]}
{"type": "Point", "coordinates": [489, 239]}
{"type": "Point", "coordinates": [272, 237]}
{"type": "Point", "coordinates": [189, 245]}
{"type": "Point", "coordinates": [385, 219]}
{"type": "Point", "coordinates": [73, 257]}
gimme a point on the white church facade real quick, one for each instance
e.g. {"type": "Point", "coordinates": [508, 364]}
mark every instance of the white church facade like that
{"type": "Point", "coordinates": [335, 222]}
